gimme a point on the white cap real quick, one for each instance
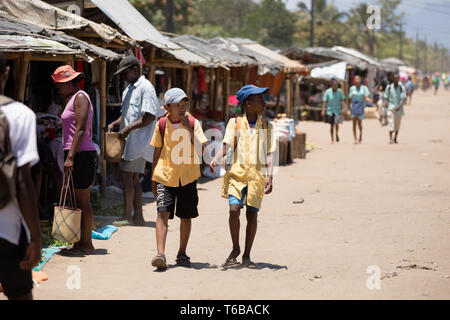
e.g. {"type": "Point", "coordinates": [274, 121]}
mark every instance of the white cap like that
{"type": "Point", "coordinates": [174, 95]}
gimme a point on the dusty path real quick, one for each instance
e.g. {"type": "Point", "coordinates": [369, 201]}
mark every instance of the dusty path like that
{"type": "Point", "coordinates": [371, 204]}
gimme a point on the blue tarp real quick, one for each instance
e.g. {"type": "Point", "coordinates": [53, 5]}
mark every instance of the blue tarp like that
{"type": "Point", "coordinates": [104, 233]}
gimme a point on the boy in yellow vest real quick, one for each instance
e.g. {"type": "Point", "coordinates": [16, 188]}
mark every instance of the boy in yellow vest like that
{"type": "Point", "coordinates": [178, 139]}
{"type": "Point", "coordinates": [250, 175]}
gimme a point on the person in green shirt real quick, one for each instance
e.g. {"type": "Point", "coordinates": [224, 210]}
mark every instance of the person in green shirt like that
{"type": "Point", "coordinates": [333, 102]}
{"type": "Point", "coordinates": [395, 95]}
{"type": "Point", "coordinates": [359, 95]}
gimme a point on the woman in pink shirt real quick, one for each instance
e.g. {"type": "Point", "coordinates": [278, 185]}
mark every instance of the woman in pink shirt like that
{"type": "Point", "coordinates": [80, 154]}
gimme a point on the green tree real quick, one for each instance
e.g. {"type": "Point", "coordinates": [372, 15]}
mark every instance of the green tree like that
{"type": "Point", "coordinates": [270, 24]}
{"type": "Point", "coordinates": [329, 25]}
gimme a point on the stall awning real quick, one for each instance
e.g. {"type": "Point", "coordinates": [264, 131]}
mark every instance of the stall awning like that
{"type": "Point", "coordinates": [14, 26]}
{"type": "Point", "coordinates": [211, 52]}
{"type": "Point", "coordinates": [16, 43]}
{"type": "Point", "coordinates": [265, 64]}
{"type": "Point", "coordinates": [288, 64]}
{"type": "Point", "coordinates": [357, 54]}
{"type": "Point", "coordinates": [51, 17]}
{"type": "Point", "coordinates": [137, 27]}
{"type": "Point", "coordinates": [336, 70]}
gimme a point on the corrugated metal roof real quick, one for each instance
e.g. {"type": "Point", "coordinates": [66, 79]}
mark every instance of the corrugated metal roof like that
{"type": "Point", "coordinates": [51, 17]}
{"type": "Point", "coordinates": [289, 65]}
{"type": "Point", "coordinates": [357, 54]}
{"type": "Point", "coordinates": [213, 53]}
{"type": "Point", "coordinates": [14, 26]}
{"type": "Point", "coordinates": [265, 64]}
{"type": "Point", "coordinates": [131, 21]}
{"type": "Point", "coordinates": [321, 54]}
{"type": "Point", "coordinates": [10, 42]}
{"type": "Point", "coordinates": [393, 60]}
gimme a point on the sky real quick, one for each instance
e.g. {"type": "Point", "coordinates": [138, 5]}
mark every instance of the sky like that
{"type": "Point", "coordinates": [431, 18]}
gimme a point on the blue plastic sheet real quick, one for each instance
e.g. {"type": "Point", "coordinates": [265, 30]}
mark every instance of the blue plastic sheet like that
{"type": "Point", "coordinates": [104, 233]}
{"type": "Point", "coordinates": [47, 253]}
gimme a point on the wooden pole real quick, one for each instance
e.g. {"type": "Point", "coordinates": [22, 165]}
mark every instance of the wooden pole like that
{"type": "Point", "coordinates": [288, 95]}
{"type": "Point", "coordinates": [245, 75]}
{"type": "Point", "coordinates": [296, 93]}
{"type": "Point", "coordinates": [211, 89]}
{"type": "Point", "coordinates": [226, 94]}
{"type": "Point", "coordinates": [23, 75]}
{"type": "Point", "coordinates": [103, 123]}
{"type": "Point", "coordinates": [189, 82]}
{"type": "Point", "coordinates": [152, 77]}
{"type": "Point", "coordinates": [216, 87]}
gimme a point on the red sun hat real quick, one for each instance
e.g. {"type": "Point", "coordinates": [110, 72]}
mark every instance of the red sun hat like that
{"type": "Point", "coordinates": [64, 74]}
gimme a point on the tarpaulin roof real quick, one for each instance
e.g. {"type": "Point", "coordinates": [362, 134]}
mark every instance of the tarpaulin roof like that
{"type": "Point", "coordinates": [131, 21]}
{"type": "Point", "coordinates": [357, 54]}
{"type": "Point", "coordinates": [322, 54]}
{"type": "Point", "coordinates": [265, 64]}
{"type": "Point", "coordinates": [288, 64]}
{"type": "Point", "coordinates": [393, 60]}
{"type": "Point", "coordinates": [14, 26]}
{"type": "Point", "coordinates": [335, 70]}
{"type": "Point", "coordinates": [51, 17]}
{"type": "Point", "coordinates": [14, 43]}
{"type": "Point", "coordinates": [213, 53]}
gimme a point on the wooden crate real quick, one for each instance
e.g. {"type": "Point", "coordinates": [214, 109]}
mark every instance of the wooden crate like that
{"type": "Point", "coordinates": [299, 146]}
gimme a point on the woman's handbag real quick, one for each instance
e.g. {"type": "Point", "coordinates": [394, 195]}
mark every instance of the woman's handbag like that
{"type": "Point", "coordinates": [114, 146]}
{"type": "Point", "coordinates": [67, 220]}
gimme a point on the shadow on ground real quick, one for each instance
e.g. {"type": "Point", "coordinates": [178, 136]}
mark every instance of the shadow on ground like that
{"type": "Point", "coordinates": [259, 266]}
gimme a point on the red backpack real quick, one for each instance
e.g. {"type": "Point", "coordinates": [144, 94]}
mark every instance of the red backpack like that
{"type": "Point", "coordinates": [162, 125]}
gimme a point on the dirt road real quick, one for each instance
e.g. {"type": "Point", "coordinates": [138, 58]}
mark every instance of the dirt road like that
{"type": "Point", "coordinates": [372, 204]}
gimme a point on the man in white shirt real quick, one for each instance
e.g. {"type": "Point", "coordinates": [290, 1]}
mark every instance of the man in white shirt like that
{"type": "Point", "coordinates": [137, 123]}
{"type": "Point", "coordinates": [18, 255]}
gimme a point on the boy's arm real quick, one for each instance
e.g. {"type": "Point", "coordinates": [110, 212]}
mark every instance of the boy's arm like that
{"type": "Point", "coordinates": [26, 197]}
{"type": "Point", "coordinates": [156, 156]}
{"type": "Point", "coordinates": [268, 187]}
{"type": "Point", "coordinates": [218, 157]}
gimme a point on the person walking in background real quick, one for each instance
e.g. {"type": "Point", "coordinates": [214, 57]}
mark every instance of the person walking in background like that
{"type": "Point", "coordinates": [359, 95]}
{"type": "Point", "coordinates": [409, 86]}
{"type": "Point", "coordinates": [333, 102]}
{"type": "Point", "coordinates": [18, 202]}
{"type": "Point", "coordinates": [436, 81]}
{"type": "Point", "coordinates": [80, 155]}
{"type": "Point", "coordinates": [137, 123]}
{"type": "Point", "coordinates": [395, 96]}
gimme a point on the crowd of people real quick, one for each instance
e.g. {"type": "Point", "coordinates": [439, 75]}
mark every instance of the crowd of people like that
{"type": "Point", "coordinates": [174, 144]}
{"type": "Point", "coordinates": [391, 106]}
{"type": "Point", "coordinates": [248, 146]}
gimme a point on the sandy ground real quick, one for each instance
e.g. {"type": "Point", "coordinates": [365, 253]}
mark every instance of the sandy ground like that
{"type": "Point", "coordinates": [367, 205]}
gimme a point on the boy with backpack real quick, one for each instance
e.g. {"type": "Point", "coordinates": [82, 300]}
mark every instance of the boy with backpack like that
{"type": "Point", "coordinates": [175, 172]}
{"type": "Point", "coordinates": [250, 175]}
{"type": "Point", "coordinates": [18, 201]}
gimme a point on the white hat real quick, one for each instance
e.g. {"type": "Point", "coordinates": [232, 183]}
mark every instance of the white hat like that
{"type": "Point", "coordinates": [174, 95]}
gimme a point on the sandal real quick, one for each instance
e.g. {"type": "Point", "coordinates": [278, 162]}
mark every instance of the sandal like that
{"type": "Point", "coordinates": [230, 262]}
{"type": "Point", "coordinates": [122, 223]}
{"type": "Point", "coordinates": [183, 260]}
{"type": "Point", "coordinates": [159, 262]}
{"type": "Point", "coordinates": [72, 253]}
{"type": "Point", "coordinates": [247, 263]}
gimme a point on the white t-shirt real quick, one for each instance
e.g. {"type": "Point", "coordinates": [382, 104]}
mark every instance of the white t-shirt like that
{"type": "Point", "coordinates": [22, 132]}
{"type": "Point", "coordinates": [139, 98]}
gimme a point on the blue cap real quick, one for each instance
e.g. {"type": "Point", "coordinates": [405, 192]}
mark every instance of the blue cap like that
{"type": "Point", "coordinates": [174, 95]}
{"type": "Point", "coordinates": [249, 90]}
